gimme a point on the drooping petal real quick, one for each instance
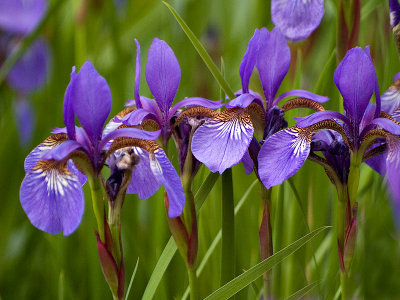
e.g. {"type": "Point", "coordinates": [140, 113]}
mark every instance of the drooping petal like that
{"type": "Point", "coordinates": [195, 101]}
{"type": "Point", "coordinates": [355, 79]}
{"type": "Point", "coordinates": [163, 74]}
{"type": "Point", "coordinates": [68, 110]}
{"type": "Point", "coordinates": [378, 163]}
{"type": "Point", "coordinates": [30, 72]}
{"type": "Point", "coordinates": [135, 117]}
{"type": "Point", "coordinates": [297, 19]}
{"type": "Point", "coordinates": [249, 61]}
{"type": "Point", "coordinates": [391, 98]}
{"type": "Point", "coordinates": [273, 62]}
{"type": "Point", "coordinates": [25, 119]}
{"type": "Point", "coordinates": [222, 142]}
{"type": "Point", "coordinates": [320, 116]}
{"type": "Point", "coordinates": [143, 181]}
{"type": "Point", "coordinates": [301, 93]}
{"type": "Point", "coordinates": [387, 124]}
{"type": "Point", "coordinates": [52, 198]}
{"type": "Point", "coordinates": [282, 155]}
{"type": "Point", "coordinates": [394, 8]}
{"type": "Point", "coordinates": [62, 151]}
{"type": "Point", "coordinates": [21, 16]}
{"type": "Point", "coordinates": [36, 154]}
{"type": "Point", "coordinates": [131, 133]}
{"type": "Point", "coordinates": [393, 172]}
{"type": "Point", "coordinates": [247, 163]}
{"type": "Point", "coordinates": [91, 98]}
{"type": "Point", "coordinates": [166, 175]}
{"type": "Point", "coordinates": [137, 76]}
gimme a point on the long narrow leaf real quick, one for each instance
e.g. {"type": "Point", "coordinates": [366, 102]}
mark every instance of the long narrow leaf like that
{"type": "Point", "coordinates": [132, 277]}
{"type": "Point", "coordinates": [243, 280]}
{"type": "Point", "coordinates": [302, 292]}
{"type": "Point", "coordinates": [203, 53]}
{"type": "Point", "coordinates": [170, 249]}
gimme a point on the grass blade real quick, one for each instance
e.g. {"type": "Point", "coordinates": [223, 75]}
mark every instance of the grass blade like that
{"type": "Point", "coordinates": [203, 53]}
{"type": "Point", "coordinates": [170, 249]}
{"type": "Point", "coordinates": [243, 280]}
{"type": "Point", "coordinates": [132, 277]}
{"type": "Point", "coordinates": [302, 292]}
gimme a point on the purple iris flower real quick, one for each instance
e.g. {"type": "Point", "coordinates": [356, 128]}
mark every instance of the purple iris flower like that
{"type": "Point", "coordinates": [163, 75]}
{"type": "Point", "coordinates": [51, 193]}
{"type": "Point", "coordinates": [394, 8]}
{"type": "Point", "coordinates": [283, 154]}
{"type": "Point", "coordinates": [297, 19]}
{"type": "Point", "coordinates": [223, 140]}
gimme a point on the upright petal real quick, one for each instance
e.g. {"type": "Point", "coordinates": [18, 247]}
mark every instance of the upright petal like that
{"type": "Point", "coordinates": [143, 182]}
{"type": "Point", "coordinates": [30, 72]}
{"type": "Point", "coordinates": [52, 198]}
{"type": "Point", "coordinates": [222, 142]}
{"type": "Point", "coordinates": [249, 61]}
{"type": "Point", "coordinates": [355, 79]}
{"type": "Point", "coordinates": [91, 98]}
{"type": "Point", "coordinates": [163, 74]}
{"type": "Point", "coordinates": [282, 155]}
{"type": "Point", "coordinates": [166, 175]}
{"type": "Point", "coordinates": [21, 16]}
{"type": "Point", "coordinates": [68, 110]}
{"type": "Point", "coordinates": [297, 19]}
{"type": "Point", "coordinates": [137, 76]}
{"type": "Point", "coordinates": [273, 62]}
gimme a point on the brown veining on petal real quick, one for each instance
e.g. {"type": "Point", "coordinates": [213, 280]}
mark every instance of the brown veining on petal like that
{"type": "Point", "coordinates": [125, 111]}
{"type": "Point", "coordinates": [55, 140]}
{"type": "Point", "coordinates": [47, 165]}
{"type": "Point", "coordinates": [149, 125]}
{"type": "Point", "coordinates": [123, 142]}
{"type": "Point", "coordinates": [196, 111]}
{"type": "Point", "coordinates": [235, 113]}
{"type": "Point", "coordinates": [387, 116]}
{"type": "Point", "coordinates": [302, 103]}
{"type": "Point", "coordinates": [331, 124]}
{"type": "Point", "coordinates": [257, 116]}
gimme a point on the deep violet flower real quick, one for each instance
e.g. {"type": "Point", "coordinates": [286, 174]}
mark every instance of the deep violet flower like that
{"type": "Point", "coordinates": [297, 19]}
{"type": "Point", "coordinates": [223, 140]}
{"type": "Point", "coordinates": [51, 193]}
{"type": "Point", "coordinates": [394, 8]}
{"type": "Point", "coordinates": [283, 154]}
{"type": "Point", "coordinates": [163, 76]}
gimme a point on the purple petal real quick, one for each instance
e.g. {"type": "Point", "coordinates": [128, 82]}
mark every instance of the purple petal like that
{"type": "Point", "coordinates": [68, 110]}
{"type": "Point", "coordinates": [21, 16]}
{"type": "Point", "coordinates": [30, 72]}
{"type": "Point", "coordinates": [62, 151]}
{"type": "Point", "coordinates": [394, 8]}
{"type": "Point", "coordinates": [137, 76]}
{"type": "Point", "coordinates": [195, 101]}
{"type": "Point", "coordinates": [297, 19]}
{"type": "Point", "coordinates": [396, 77]}
{"type": "Point", "coordinates": [387, 124]}
{"type": "Point", "coordinates": [393, 172]}
{"type": "Point", "coordinates": [130, 133]}
{"type": "Point", "coordinates": [81, 177]}
{"type": "Point", "coordinates": [368, 116]}
{"type": "Point", "coordinates": [247, 163]}
{"type": "Point", "coordinates": [222, 142]}
{"type": "Point", "coordinates": [301, 93]}
{"type": "Point", "coordinates": [52, 198]}
{"type": "Point", "coordinates": [378, 163]}
{"type": "Point", "coordinates": [143, 181]}
{"type": "Point", "coordinates": [166, 175]}
{"type": "Point", "coordinates": [390, 99]}
{"type": "Point", "coordinates": [282, 155]}
{"type": "Point", "coordinates": [25, 119]}
{"type": "Point", "coordinates": [273, 62]}
{"type": "Point", "coordinates": [135, 117]}
{"type": "Point", "coordinates": [243, 101]}
{"type": "Point", "coordinates": [249, 61]}
{"type": "Point", "coordinates": [355, 79]}
{"type": "Point", "coordinates": [162, 74]}
{"type": "Point", "coordinates": [91, 98]}
{"type": "Point", "coordinates": [320, 116]}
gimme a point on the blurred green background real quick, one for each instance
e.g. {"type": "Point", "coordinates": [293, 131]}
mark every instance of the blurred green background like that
{"type": "Point", "coordinates": [37, 265]}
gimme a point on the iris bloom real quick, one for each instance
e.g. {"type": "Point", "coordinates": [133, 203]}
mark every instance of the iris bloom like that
{"type": "Point", "coordinates": [163, 75]}
{"type": "Point", "coordinates": [363, 123]}
{"type": "Point", "coordinates": [51, 193]}
{"type": "Point", "coordinates": [297, 19]}
{"type": "Point", "coordinates": [223, 140]}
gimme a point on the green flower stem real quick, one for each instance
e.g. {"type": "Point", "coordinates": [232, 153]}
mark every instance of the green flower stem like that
{"type": "Point", "coordinates": [265, 235]}
{"type": "Point", "coordinates": [114, 217]}
{"type": "Point", "coordinates": [193, 283]}
{"type": "Point", "coordinates": [354, 176]}
{"type": "Point", "coordinates": [228, 229]}
{"type": "Point", "coordinates": [98, 204]}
